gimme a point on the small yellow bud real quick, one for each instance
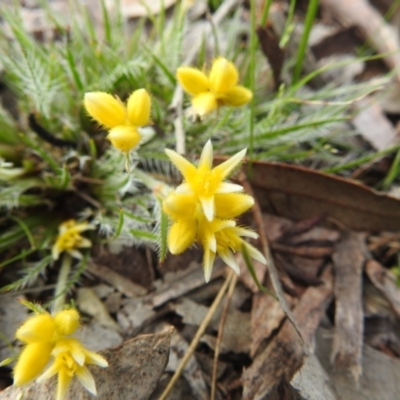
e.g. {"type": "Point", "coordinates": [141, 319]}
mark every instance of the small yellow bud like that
{"type": "Point", "coordinates": [124, 138]}
{"type": "Point", "coordinates": [193, 80]}
{"type": "Point", "coordinates": [31, 362]}
{"type": "Point", "coordinates": [139, 104]}
{"type": "Point", "coordinates": [181, 235]}
{"type": "Point", "coordinates": [66, 321]}
{"type": "Point", "coordinates": [105, 109]}
{"type": "Point", "coordinates": [37, 328]}
{"type": "Point", "coordinates": [223, 76]}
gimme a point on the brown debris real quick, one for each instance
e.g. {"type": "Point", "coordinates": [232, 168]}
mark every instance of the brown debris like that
{"type": "Point", "coordinates": [384, 281]}
{"type": "Point", "coordinates": [348, 262]}
{"type": "Point", "coordinates": [266, 316]}
{"type": "Point", "coordinates": [284, 355]}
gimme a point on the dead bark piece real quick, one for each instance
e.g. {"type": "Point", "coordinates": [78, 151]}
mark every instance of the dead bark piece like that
{"type": "Point", "coordinates": [348, 262]}
{"type": "Point", "coordinates": [283, 357]}
{"type": "Point", "coordinates": [266, 316]}
{"type": "Point", "coordinates": [371, 24]}
{"type": "Point", "coordinates": [192, 372]}
{"type": "Point", "coordinates": [133, 372]}
{"type": "Point", "coordinates": [312, 382]}
{"type": "Point", "coordinates": [374, 126]}
{"type": "Point", "coordinates": [125, 286]}
{"type": "Point", "coordinates": [269, 42]}
{"type": "Point", "coordinates": [384, 281]}
{"type": "Point", "coordinates": [303, 251]}
{"type": "Point", "coordinates": [380, 378]}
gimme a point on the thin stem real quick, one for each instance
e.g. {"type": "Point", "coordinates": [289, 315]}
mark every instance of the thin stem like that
{"type": "Point", "coordinates": [253, 44]}
{"type": "Point", "coordinates": [231, 288]}
{"type": "Point", "coordinates": [311, 11]}
{"type": "Point", "coordinates": [198, 336]}
{"type": "Point", "coordinates": [62, 282]}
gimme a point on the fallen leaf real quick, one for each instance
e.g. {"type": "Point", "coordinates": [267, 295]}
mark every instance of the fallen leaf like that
{"type": "Point", "coordinates": [374, 126]}
{"type": "Point", "coordinates": [133, 372]}
{"type": "Point", "coordinates": [300, 193]}
{"type": "Point", "coordinates": [89, 303]}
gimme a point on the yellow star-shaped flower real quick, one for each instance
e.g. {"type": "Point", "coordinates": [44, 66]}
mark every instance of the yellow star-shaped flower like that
{"type": "Point", "coordinates": [70, 359]}
{"type": "Point", "coordinates": [204, 181]}
{"type": "Point", "coordinates": [218, 88]}
{"type": "Point", "coordinates": [224, 238]}
{"type": "Point", "coordinates": [69, 238]}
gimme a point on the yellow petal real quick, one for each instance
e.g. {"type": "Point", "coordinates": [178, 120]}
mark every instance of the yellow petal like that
{"type": "Point", "coordinates": [181, 235]}
{"type": "Point", "coordinates": [139, 104]}
{"type": "Point", "coordinates": [31, 362]}
{"type": "Point", "coordinates": [231, 205]}
{"type": "Point", "coordinates": [67, 321]}
{"type": "Point", "coordinates": [192, 80]}
{"type": "Point", "coordinates": [35, 329]}
{"type": "Point", "coordinates": [186, 168]}
{"type": "Point", "coordinates": [236, 97]}
{"type": "Point", "coordinates": [204, 103]}
{"type": "Point", "coordinates": [206, 158]}
{"type": "Point", "coordinates": [208, 262]}
{"type": "Point", "coordinates": [64, 380]}
{"type": "Point", "coordinates": [86, 379]}
{"type": "Point", "coordinates": [105, 109]}
{"type": "Point", "coordinates": [177, 205]}
{"type": "Point", "coordinates": [124, 138]}
{"type": "Point", "coordinates": [223, 76]}
{"type": "Point", "coordinates": [230, 164]}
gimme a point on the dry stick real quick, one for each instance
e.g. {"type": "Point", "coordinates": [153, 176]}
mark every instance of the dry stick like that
{"type": "Point", "coordinates": [220, 334]}
{"type": "Point", "coordinates": [273, 273]}
{"type": "Point", "coordinates": [198, 336]}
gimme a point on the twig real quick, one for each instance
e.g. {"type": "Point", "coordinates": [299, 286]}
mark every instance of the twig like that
{"type": "Point", "coordinates": [198, 336]}
{"type": "Point", "coordinates": [258, 218]}
{"type": "Point", "coordinates": [221, 327]}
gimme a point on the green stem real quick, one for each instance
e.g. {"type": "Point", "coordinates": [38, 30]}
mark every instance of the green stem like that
{"type": "Point", "coordinates": [159, 187]}
{"type": "Point", "coordinates": [62, 282]}
{"type": "Point", "coordinates": [311, 12]}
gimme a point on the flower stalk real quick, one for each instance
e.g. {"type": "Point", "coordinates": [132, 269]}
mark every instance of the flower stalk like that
{"type": "Point", "coordinates": [62, 282]}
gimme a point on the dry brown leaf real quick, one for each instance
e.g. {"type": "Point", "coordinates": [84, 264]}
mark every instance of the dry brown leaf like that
{"type": "Point", "coordinates": [284, 355]}
{"type": "Point", "coordinates": [299, 193]}
{"type": "Point", "coordinates": [385, 282]}
{"type": "Point", "coordinates": [374, 126]}
{"type": "Point", "coordinates": [236, 336]}
{"type": "Point", "coordinates": [133, 372]}
{"type": "Point", "coordinates": [348, 260]}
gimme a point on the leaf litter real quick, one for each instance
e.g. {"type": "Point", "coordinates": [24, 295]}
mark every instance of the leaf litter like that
{"type": "Point", "coordinates": [328, 237]}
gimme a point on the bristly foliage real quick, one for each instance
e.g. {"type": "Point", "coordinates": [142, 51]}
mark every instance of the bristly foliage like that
{"type": "Point", "coordinates": [43, 184]}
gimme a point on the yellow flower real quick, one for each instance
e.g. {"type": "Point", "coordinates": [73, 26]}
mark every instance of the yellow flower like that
{"type": "Point", "coordinates": [217, 89]}
{"type": "Point", "coordinates": [224, 238]}
{"type": "Point", "coordinates": [70, 359]}
{"type": "Point", "coordinates": [122, 122]}
{"type": "Point", "coordinates": [69, 239]}
{"type": "Point", "coordinates": [40, 333]}
{"type": "Point", "coordinates": [204, 181]}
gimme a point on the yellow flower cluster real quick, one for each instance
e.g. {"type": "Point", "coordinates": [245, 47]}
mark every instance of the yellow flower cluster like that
{"type": "Point", "coordinates": [69, 239]}
{"type": "Point", "coordinates": [47, 337]}
{"type": "Point", "coordinates": [218, 88]}
{"type": "Point", "coordinates": [204, 207]}
{"type": "Point", "coordinates": [122, 122]}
